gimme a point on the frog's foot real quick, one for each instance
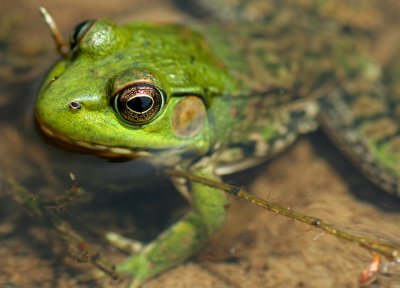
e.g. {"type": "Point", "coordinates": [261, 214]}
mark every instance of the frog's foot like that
{"type": "Point", "coordinates": [171, 248]}
{"type": "Point", "coordinates": [139, 266]}
{"type": "Point", "coordinates": [125, 244]}
{"type": "Point", "coordinates": [182, 240]}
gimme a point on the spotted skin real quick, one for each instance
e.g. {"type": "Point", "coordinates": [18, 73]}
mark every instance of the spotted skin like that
{"type": "Point", "coordinates": [302, 76]}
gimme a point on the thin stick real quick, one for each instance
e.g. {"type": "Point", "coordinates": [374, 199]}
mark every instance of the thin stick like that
{"type": "Point", "coordinates": [78, 248]}
{"type": "Point", "coordinates": [389, 251]}
{"type": "Point", "coordinates": [62, 48]}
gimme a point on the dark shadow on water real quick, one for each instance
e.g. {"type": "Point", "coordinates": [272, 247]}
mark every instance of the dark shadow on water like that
{"type": "Point", "coordinates": [193, 8]}
{"type": "Point", "coordinates": [129, 196]}
{"type": "Point", "coordinates": [358, 185]}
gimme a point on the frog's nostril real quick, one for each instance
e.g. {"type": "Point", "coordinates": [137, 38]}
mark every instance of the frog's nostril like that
{"type": "Point", "coordinates": [53, 79]}
{"type": "Point", "coordinates": [74, 106]}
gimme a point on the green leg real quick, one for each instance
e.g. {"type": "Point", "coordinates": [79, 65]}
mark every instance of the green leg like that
{"type": "Point", "coordinates": [183, 239]}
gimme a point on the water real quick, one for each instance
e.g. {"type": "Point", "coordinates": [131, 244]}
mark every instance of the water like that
{"type": "Point", "coordinates": [256, 248]}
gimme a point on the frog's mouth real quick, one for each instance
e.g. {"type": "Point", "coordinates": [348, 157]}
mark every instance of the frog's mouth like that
{"type": "Point", "coordinates": [90, 148]}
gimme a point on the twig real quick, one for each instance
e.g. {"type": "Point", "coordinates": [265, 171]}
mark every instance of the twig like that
{"type": "Point", "coordinates": [78, 248]}
{"type": "Point", "coordinates": [390, 251]}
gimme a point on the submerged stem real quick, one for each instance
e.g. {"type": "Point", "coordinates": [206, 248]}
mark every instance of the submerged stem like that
{"type": "Point", "coordinates": [62, 47]}
{"type": "Point", "coordinates": [388, 250]}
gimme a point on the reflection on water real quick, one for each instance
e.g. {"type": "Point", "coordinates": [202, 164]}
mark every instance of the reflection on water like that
{"type": "Point", "coordinates": [133, 199]}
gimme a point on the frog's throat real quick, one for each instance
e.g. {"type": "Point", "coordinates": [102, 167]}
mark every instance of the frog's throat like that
{"type": "Point", "coordinates": [97, 149]}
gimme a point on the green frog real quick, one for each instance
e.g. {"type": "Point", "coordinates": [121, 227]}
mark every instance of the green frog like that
{"type": "Point", "coordinates": [219, 98]}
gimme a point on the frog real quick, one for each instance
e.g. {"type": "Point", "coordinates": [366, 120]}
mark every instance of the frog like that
{"type": "Point", "coordinates": [218, 98]}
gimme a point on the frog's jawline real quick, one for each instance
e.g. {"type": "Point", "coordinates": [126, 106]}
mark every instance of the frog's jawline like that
{"type": "Point", "coordinates": [96, 149]}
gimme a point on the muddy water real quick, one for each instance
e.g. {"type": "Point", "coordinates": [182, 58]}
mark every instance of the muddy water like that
{"type": "Point", "coordinates": [255, 249]}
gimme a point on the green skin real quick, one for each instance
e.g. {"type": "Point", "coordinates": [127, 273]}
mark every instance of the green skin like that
{"type": "Point", "coordinates": [100, 61]}
{"type": "Point", "coordinates": [328, 80]}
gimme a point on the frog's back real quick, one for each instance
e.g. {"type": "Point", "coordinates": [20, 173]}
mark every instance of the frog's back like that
{"type": "Point", "coordinates": [299, 67]}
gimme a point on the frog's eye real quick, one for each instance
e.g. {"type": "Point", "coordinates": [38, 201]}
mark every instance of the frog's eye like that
{"type": "Point", "coordinates": [138, 104]}
{"type": "Point", "coordinates": [79, 32]}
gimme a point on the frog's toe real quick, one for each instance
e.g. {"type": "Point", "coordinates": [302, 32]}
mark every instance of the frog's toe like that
{"type": "Point", "coordinates": [140, 268]}
{"type": "Point", "coordinates": [123, 243]}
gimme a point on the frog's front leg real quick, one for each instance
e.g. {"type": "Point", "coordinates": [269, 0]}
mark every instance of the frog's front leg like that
{"type": "Point", "coordinates": [183, 239]}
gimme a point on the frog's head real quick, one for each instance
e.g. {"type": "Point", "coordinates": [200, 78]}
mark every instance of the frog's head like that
{"type": "Point", "coordinates": [133, 90]}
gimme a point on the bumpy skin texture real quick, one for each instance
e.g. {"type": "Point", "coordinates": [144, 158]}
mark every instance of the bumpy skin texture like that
{"type": "Point", "coordinates": [75, 105]}
{"type": "Point", "coordinates": [234, 95]}
{"type": "Point", "coordinates": [175, 59]}
{"type": "Point", "coordinates": [313, 55]}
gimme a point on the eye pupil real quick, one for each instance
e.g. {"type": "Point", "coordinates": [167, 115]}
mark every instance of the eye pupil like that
{"type": "Point", "coordinates": [140, 104]}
